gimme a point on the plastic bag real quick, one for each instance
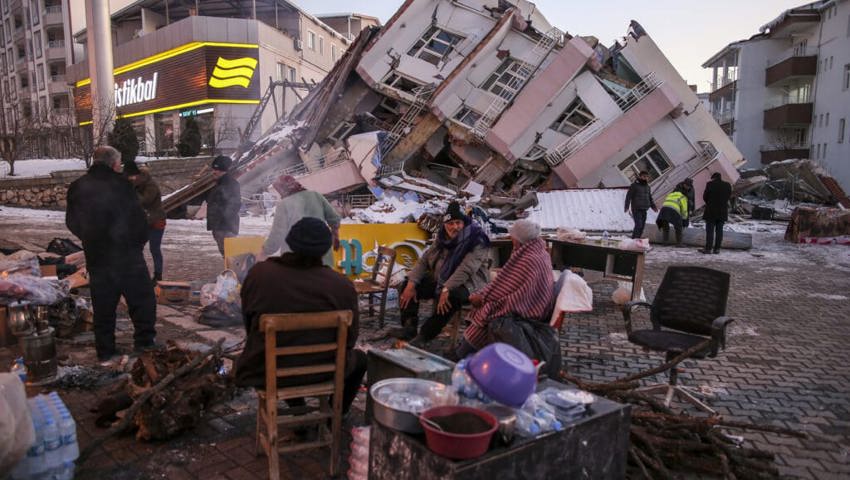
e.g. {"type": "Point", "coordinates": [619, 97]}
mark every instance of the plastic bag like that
{"type": "Point", "coordinates": [225, 288]}
{"type": "Point", "coordinates": [21, 262]}
{"type": "Point", "coordinates": [637, 244]}
{"type": "Point", "coordinates": [537, 340]}
{"type": "Point", "coordinates": [221, 314]}
{"type": "Point", "coordinates": [63, 246]}
{"type": "Point", "coordinates": [575, 296]}
{"type": "Point", "coordinates": [37, 290]}
{"type": "Point", "coordinates": [241, 264]}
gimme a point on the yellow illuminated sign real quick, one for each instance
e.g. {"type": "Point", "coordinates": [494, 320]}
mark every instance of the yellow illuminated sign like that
{"type": "Point", "coordinates": [230, 73]}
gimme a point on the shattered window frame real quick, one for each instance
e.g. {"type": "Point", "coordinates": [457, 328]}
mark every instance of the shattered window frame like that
{"type": "Point", "coordinates": [505, 79]}
{"type": "Point", "coordinates": [536, 152]}
{"type": "Point", "coordinates": [341, 132]}
{"type": "Point", "coordinates": [650, 158]}
{"type": "Point", "coordinates": [467, 116]}
{"type": "Point", "coordinates": [435, 45]}
{"type": "Point", "coordinates": [566, 120]}
{"type": "Point", "coordinates": [397, 81]}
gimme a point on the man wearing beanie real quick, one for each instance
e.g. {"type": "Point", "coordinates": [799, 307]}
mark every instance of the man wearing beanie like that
{"type": "Point", "coordinates": [298, 282]}
{"type": "Point", "coordinates": [223, 202]}
{"type": "Point", "coordinates": [453, 267]}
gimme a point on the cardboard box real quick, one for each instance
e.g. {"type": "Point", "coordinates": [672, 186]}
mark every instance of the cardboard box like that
{"type": "Point", "coordinates": [173, 293]}
{"type": "Point", "coordinates": [48, 270]}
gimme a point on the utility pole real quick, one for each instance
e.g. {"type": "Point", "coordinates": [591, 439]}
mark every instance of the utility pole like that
{"type": "Point", "coordinates": [99, 46]}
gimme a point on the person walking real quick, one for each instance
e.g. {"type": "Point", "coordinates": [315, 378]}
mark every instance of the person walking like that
{"type": "Point", "coordinates": [639, 198]}
{"type": "Point", "coordinates": [716, 197]}
{"type": "Point", "coordinates": [296, 202]}
{"type": "Point", "coordinates": [151, 200]}
{"type": "Point", "coordinates": [223, 202]}
{"type": "Point", "coordinates": [105, 214]}
{"type": "Point", "coordinates": [673, 212]}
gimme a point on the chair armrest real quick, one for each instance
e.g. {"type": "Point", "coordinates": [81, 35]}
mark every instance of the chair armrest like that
{"type": "Point", "coordinates": [718, 334]}
{"type": "Point", "coordinates": [627, 312]}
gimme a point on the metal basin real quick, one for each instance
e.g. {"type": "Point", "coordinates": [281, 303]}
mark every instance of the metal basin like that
{"type": "Point", "coordinates": [397, 402]}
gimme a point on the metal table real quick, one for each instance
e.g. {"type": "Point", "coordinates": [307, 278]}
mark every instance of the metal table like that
{"type": "Point", "coordinates": [595, 446]}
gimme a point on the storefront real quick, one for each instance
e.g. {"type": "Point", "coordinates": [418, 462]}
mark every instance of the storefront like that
{"type": "Point", "coordinates": [160, 92]}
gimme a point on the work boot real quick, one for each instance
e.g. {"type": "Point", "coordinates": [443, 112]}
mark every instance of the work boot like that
{"type": "Point", "coordinates": [716, 251]}
{"type": "Point", "coordinates": [407, 330]}
{"type": "Point", "coordinates": [704, 250]}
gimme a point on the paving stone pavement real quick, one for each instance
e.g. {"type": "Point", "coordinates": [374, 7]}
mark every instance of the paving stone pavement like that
{"type": "Point", "coordinates": [785, 363]}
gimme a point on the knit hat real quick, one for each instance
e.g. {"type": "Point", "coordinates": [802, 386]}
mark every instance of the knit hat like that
{"type": "Point", "coordinates": [221, 163]}
{"type": "Point", "coordinates": [716, 176]}
{"type": "Point", "coordinates": [130, 168]}
{"type": "Point", "coordinates": [310, 237]}
{"type": "Point", "coordinates": [454, 213]}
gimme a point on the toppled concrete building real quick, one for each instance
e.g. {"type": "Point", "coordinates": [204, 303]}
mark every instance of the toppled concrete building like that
{"type": "Point", "coordinates": [487, 96]}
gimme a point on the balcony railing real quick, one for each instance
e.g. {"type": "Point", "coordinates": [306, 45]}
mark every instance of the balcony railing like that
{"type": "Point", "coordinates": [724, 117]}
{"type": "Point", "coordinates": [796, 52]}
{"type": "Point", "coordinates": [316, 164]}
{"type": "Point", "coordinates": [722, 82]}
{"type": "Point", "coordinates": [53, 9]}
{"type": "Point", "coordinates": [56, 44]}
{"type": "Point", "coordinates": [706, 154]}
{"type": "Point", "coordinates": [585, 134]}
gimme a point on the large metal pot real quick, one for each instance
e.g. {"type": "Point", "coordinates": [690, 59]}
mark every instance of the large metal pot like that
{"type": "Point", "coordinates": [19, 318]}
{"type": "Point", "coordinates": [421, 395]}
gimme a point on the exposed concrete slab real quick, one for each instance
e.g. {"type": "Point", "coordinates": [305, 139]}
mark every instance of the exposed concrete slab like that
{"type": "Point", "coordinates": [695, 237]}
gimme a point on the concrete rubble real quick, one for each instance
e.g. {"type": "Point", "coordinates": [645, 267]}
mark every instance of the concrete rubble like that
{"type": "Point", "coordinates": [487, 100]}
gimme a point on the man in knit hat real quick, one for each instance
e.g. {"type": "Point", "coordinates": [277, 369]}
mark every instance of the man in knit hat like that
{"type": "Point", "coordinates": [308, 286]}
{"type": "Point", "coordinates": [223, 202]}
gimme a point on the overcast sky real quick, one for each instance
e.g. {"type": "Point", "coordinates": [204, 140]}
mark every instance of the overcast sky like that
{"type": "Point", "coordinates": [688, 31]}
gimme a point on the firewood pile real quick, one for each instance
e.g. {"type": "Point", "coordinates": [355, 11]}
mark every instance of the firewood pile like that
{"type": "Point", "coordinates": [666, 444]}
{"type": "Point", "coordinates": [180, 405]}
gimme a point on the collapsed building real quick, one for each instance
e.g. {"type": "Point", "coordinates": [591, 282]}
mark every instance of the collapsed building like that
{"type": "Point", "coordinates": [489, 98]}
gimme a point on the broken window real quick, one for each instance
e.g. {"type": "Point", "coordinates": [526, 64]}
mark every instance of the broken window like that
{"type": "Point", "coordinates": [508, 78]}
{"type": "Point", "coordinates": [435, 45]}
{"type": "Point", "coordinates": [576, 116]}
{"type": "Point", "coordinates": [388, 110]}
{"type": "Point", "coordinates": [400, 82]}
{"type": "Point", "coordinates": [467, 116]}
{"type": "Point", "coordinates": [536, 152]}
{"type": "Point", "coordinates": [341, 131]}
{"type": "Point", "coordinates": [649, 158]}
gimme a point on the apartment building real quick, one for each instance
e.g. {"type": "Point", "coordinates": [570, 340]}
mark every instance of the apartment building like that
{"type": "Point", "coordinates": [212, 60]}
{"type": "Point", "coordinates": [491, 93]}
{"type": "Point", "coordinates": [33, 65]}
{"type": "Point", "coordinates": [785, 92]}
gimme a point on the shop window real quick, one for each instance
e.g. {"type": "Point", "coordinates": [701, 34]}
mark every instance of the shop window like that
{"type": "Point", "coordinates": [467, 116]}
{"type": "Point", "coordinates": [400, 82]}
{"type": "Point", "coordinates": [649, 158]}
{"type": "Point", "coordinates": [508, 78]}
{"type": "Point", "coordinates": [435, 45]}
{"type": "Point", "coordinates": [576, 116]}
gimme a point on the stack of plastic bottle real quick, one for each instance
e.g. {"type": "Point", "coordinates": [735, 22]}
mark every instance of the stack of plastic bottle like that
{"type": "Point", "coordinates": [359, 458]}
{"type": "Point", "coordinates": [52, 455]}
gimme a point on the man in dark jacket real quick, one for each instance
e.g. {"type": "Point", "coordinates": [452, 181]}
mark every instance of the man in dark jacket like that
{"type": "Point", "coordinates": [639, 197]}
{"type": "Point", "coordinates": [689, 192]}
{"type": "Point", "coordinates": [151, 200]}
{"type": "Point", "coordinates": [716, 197]}
{"type": "Point", "coordinates": [105, 214]}
{"type": "Point", "coordinates": [223, 203]}
{"type": "Point", "coordinates": [298, 282]}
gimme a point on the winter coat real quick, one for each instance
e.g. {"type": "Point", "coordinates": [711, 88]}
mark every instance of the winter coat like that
{"type": "Point", "coordinates": [692, 203]}
{"type": "Point", "coordinates": [223, 204]}
{"type": "Point", "coordinates": [151, 199]}
{"type": "Point", "coordinates": [639, 196]}
{"type": "Point", "coordinates": [292, 208]}
{"type": "Point", "coordinates": [472, 273]}
{"type": "Point", "coordinates": [105, 214]}
{"type": "Point", "coordinates": [677, 201]}
{"type": "Point", "coordinates": [289, 284]}
{"type": "Point", "coordinates": [716, 197]}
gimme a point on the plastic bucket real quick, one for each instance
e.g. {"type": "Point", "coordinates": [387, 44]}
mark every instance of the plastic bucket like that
{"type": "Point", "coordinates": [458, 446]}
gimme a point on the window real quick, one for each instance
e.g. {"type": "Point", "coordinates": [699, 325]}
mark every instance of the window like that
{"type": "Point", "coordinates": [333, 53]}
{"type": "Point", "coordinates": [292, 74]}
{"type": "Point", "coordinates": [823, 151]}
{"type": "Point", "coordinates": [400, 82]}
{"type": "Point", "coordinates": [830, 62]}
{"type": "Point", "coordinates": [25, 81]}
{"type": "Point", "coordinates": [800, 48]}
{"type": "Point", "coordinates": [40, 70]}
{"type": "Point", "coordinates": [435, 45]}
{"type": "Point", "coordinates": [281, 71]}
{"type": "Point", "coordinates": [574, 117]}
{"type": "Point", "coordinates": [341, 131]}
{"type": "Point", "coordinates": [826, 122]}
{"type": "Point", "coordinates": [467, 116]}
{"type": "Point", "coordinates": [841, 125]}
{"type": "Point", "coordinates": [817, 151]}
{"type": "Point", "coordinates": [38, 45]}
{"type": "Point", "coordinates": [34, 11]}
{"type": "Point", "coordinates": [508, 78]}
{"type": "Point", "coordinates": [848, 25]}
{"type": "Point", "coordinates": [846, 83]}
{"type": "Point", "coordinates": [321, 45]}
{"type": "Point", "coordinates": [536, 152]}
{"type": "Point", "coordinates": [648, 158]}
{"type": "Point", "coordinates": [311, 40]}
{"type": "Point", "coordinates": [42, 105]}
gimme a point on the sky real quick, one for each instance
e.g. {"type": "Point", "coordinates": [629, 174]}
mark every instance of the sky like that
{"type": "Point", "coordinates": [689, 32]}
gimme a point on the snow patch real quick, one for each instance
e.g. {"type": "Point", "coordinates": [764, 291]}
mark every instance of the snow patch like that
{"type": "Point", "coordinates": [826, 296]}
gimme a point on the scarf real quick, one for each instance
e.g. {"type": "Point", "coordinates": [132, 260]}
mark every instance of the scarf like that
{"type": "Point", "coordinates": [464, 242]}
{"type": "Point", "coordinates": [523, 287]}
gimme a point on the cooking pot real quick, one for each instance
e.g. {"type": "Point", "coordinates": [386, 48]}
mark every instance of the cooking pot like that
{"type": "Point", "coordinates": [397, 402]}
{"type": "Point", "coordinates": [19, 318]}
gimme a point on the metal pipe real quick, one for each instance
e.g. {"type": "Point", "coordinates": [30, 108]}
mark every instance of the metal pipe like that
{"type": "Point", "coordinates": [100, 67]}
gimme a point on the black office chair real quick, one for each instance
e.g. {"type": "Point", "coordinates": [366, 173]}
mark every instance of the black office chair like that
{"type": "Point", "coordinates": [689, 309]}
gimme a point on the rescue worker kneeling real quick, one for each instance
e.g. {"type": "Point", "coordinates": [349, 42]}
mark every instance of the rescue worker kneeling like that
{"type": "Point", "coordinates": [674, 211]}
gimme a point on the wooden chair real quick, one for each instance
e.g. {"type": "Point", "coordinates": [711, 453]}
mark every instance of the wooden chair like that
{"type": "Point", "coordinates": [375, 289]}
{"type": "Point", "coordinates": [268, 414]}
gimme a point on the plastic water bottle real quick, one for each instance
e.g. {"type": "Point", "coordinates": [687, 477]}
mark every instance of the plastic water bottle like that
{"type": "Point", "coordinates": [359, 458]}
{"type": "Point", "coordinates": [19, 369]}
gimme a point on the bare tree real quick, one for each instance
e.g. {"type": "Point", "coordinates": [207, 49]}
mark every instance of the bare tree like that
{"type": "Point", "coordinates": [16, 133]}
{"type": "Point", "coordinates": [220, 132]}
{"type": "Point", "coordinates": [83, 139]}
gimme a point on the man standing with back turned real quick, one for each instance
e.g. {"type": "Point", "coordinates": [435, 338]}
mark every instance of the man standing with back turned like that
{"type": "Point", "coordinates": [716, 197]}
{"type": "Point", "coordinates": [105, 214]}
{"type": "Point", "coordinates": [639, 197]}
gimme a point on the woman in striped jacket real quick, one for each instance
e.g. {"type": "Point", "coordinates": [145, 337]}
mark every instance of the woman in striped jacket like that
{"type": "Point", "coordinates": [523, 288]}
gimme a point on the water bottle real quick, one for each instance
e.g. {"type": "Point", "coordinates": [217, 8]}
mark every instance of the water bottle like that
{"type": "Point", "coordinates": [52, 444]}
{"type": "Point", "coordinates": [19, 369]}
{"type": "Point", "coordinates": [526, 424]}
{"type": "Point", "coordinates": [605, 237]}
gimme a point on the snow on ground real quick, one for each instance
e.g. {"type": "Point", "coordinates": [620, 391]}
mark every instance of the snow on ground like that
{"type": "Point", "coordinates": [44, 166]}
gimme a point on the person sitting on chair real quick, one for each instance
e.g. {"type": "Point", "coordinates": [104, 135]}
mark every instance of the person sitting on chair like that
{"type": "Point", "coordinates": [453, 267]}
{"type": "Point", "coordinates": [298, 282]}
{"type": "Point", "coordinates": [523, 288]}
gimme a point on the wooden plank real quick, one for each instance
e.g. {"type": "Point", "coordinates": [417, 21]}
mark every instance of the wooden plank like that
{"type": "Point", "coordinates": [302, 349]}
{"type": "Point", "coordinates": [307, 370]}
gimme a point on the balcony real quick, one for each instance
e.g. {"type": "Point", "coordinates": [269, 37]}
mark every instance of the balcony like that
{"type": "Point", "coordinates": [56, 84]}
{"type": "Point", "coordinates": [725, 117]}
{"type": "Point", "coordinates": [53, 15]}
{"type": "Point", "coordinates": [727, 90]}
{"type": "Point", "coordinates": [794, 65]}
{"type": "Point", "coordinates": [787, 115]}
{"type": "Point", "coordinates": [55, 50]}
{"type": "Point", "coordinates": [774, 153]}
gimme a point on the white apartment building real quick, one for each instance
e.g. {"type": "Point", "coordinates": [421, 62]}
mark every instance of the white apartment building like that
{"type": "Point", "coordinates": [785, 92]}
